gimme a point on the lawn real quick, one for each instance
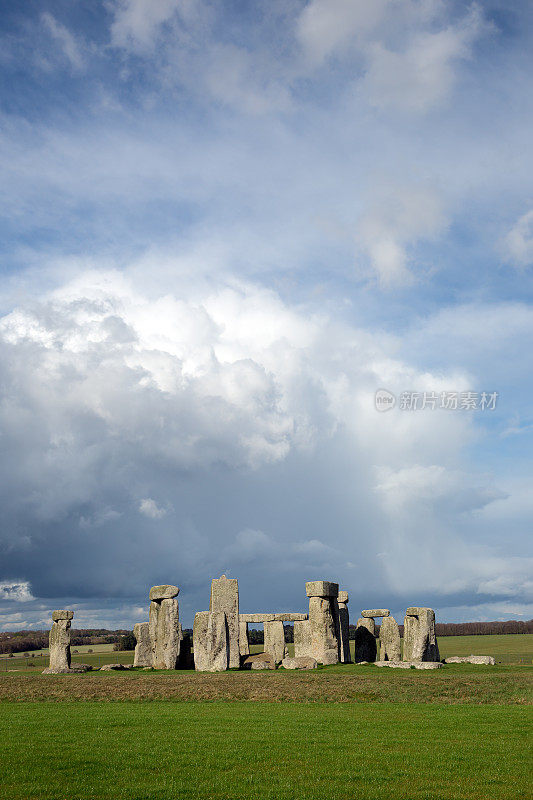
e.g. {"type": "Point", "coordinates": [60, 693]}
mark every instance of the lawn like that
{"type": "Point", "coordinates": [241, 751]}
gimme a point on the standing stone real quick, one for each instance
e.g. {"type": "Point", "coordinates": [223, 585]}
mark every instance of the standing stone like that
{"type": "Point", "coordinates": [343, 628]}
{"type": "Point", "coordinates": [420, 639]}
{"type": "Point", "coordinates": [143, 648]}
{"type": "Point", "coordinates": [365, 648]}
{"type": "Point", "coordinates": [302, 639]}
{"type": "Point", "coordinates": [164, 627]}
{"type": "Point", "coordinates": [244, 643]}
{"type": "Point", "coordinates": [275, 640]}
{"type": "Point", "coordinates": [60, 641]}
{"type": "Point", "coordinates": [323, 614]}
{"type": "Point", "coordinates": [210, 641]}
{"type": "Point", "coordinates": [389, 637]}
{"type": "Point", "coordinates": [225, 597]}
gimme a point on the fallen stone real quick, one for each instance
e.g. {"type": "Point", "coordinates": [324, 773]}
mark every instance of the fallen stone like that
{"type": "Point", "coordinates": [375, 612]}
{"type": "Point", "coordinates": [119, 667]}
{"type": "Point", "coordinates": [487, 660]}
{"type": "Point", "coordinates": [394, 664]}
{"type": "Point", "coordinates": [427, 665]}
{"type": "Point", "coordinates": [321, 589]}
{"type": "Point", "coordinates": [259, 658]}
{"type": "Point", "coordinates": [225, 597]}
{"type": "Point", "coordinates": [164, 592]}
{"type": "Point", "coordinates": [303, 662]}
{"type": "Point", "coordinates": [361, 663]}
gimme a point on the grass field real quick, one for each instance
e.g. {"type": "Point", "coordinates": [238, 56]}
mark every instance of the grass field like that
{"type": "Point", "coordinates": [244, 751]}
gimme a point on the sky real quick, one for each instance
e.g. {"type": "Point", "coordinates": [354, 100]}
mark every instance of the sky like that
{"type": "Point", "coordinates": [224, 227]}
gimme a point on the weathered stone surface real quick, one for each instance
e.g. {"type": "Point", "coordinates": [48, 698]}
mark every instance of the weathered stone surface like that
{"type": "Point", "coordinates": [72, 670]}
{"type": "Point", "coordinates": [419, 638]}
{"type": "Point", "coordinates": [118, 667]}
{"type": "Point", "coordinates": [368, 623]}
{"type": "Point", "coordinates": [62, 614]}
{"type": "Point", "coordinates": [225, 597]}
{"type": "Point", "coordinates": [414, 611]}
{"type": "Point", "coordinates": [282, 617]}
{"type": "Point", "coordinates": [304, 662]}
{"type": "Point", "coordinates": [343, 628]}
{"type": "Point", "coordinates": [394, 664]}
{"type": "Point", "coordinates": [375, 612]}
{"type": "Point", "coordinates": [321, 589]}
{"type": "Point", "coordinates": [323, 613]}
{"type": "Point", "coordinates": [59, 642]}
{"type": "Point", "coordinates": [165, 633]}
{"type": "Point", "coordinates": [487, 660]}
{"type": "Point", "coordinates": [244, 643]}
{"type": "Point", "coordinates": [165, 592]}
{"type": "Point", "coordinates": [365, 648]}
{"type": "Point", "coordinates": [264, 659]}
{"type": "Point", "coordinates": [427, 665]}
{"type": "Point", "coordinates": [275, 640]}
{"type": "Point", "coordinates": [211, 641]}
{"type": "Point", "coordinates": [143, 649]}
{"type": "Point", "coordinates": [389, 638]}
{"type": "Point", "coordinates": [302, 638]}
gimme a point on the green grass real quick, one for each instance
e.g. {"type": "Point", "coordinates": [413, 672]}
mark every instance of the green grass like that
{"type": "Point", "coordinates": [513, 648]}
{"type": "Point", "coordinates": [243, 751]}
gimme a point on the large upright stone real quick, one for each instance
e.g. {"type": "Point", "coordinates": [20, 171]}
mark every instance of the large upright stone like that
{"type": "Point", "coordinates": [419, 638]}
{"type": "Point", "coordinates": [210, 641]}
{"type": "Point", "coordinates": [365, 648]}
{"type": "Point", "coordinates": [389, 638]}
{"type": "Point", "coordinates": [59, 640]}
{"type": "Point", "coordinates": [225, 597]}
{"type": "Point", "coordinates": [323, 618]}
{"type": "Point", "coordinates": [244, 642]}
{"type": "Point", "coordinates": [275, 640]}
{"type": "Point", "coordinates": [165, 632]}
{"type": "Point", "coordinates": [143, 648]}
{"type": "Point", "coordinates": [343, 627]}
{"type": "Point", "coordinates": [302, 638]}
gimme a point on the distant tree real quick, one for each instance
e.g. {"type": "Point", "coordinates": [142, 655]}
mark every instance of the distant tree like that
{"type": "Point", "coordinates": [126, 642]}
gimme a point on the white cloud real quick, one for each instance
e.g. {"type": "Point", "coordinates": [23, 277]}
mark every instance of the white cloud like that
{"type": "Point", "coordinates": [70, 45]}
{"type": "Point", "coordinates": [517, 246]}
{"type": "Point", "coordinates": [327, 26]}
{"type": "Point", "coordinates": [395, 222]}
{"type": "Point", "coordinates": [150, 509]}
{"type": "Point", "coordinates": [16, 591]}
{"type": "Point", "coordinates": [136, 23]}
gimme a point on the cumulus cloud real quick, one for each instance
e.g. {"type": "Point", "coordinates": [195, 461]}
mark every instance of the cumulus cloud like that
{"type": "Point", "coordinates": [16, 591]}
{"type": "Point", "coordinates": [150, 509]}
{"type": "Point", "coordinates": [517, 246]}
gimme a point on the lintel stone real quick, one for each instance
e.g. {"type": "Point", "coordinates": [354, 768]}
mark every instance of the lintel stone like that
{"type": "Point", "coordinates": [164, 592]}
{"type": "Point", "coordinates": [321, 589]}
{"type": "Point", "coordinates": [375, 612]}
{"type": "Point", "coordinates": [62, 614]}
{"type": "Point", "coordinates": [284, 617]}
{"type": "Point", "coordinates": [415, 611]}
{"type": "Point", "coordinates": [343, 596]}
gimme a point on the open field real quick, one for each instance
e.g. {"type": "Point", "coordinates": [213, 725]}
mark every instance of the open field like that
{"type": "Point", "coordinates": [225, 751]}
{"type": "Point", "coordinates": [453, 684]}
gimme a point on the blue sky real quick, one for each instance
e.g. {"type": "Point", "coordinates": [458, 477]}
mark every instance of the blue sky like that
{"type": "Point", "coordinates": [225, 226]}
